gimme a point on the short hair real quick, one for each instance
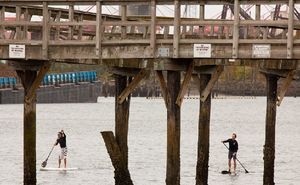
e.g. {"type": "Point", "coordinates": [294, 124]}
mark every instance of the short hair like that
{"type": "Point", "coordinates": [234, 134]}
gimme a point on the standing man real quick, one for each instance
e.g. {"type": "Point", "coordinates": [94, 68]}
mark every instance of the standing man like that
{"type": "Point", "coordinates": [63, 145]}
{"type": "Point", "coordinates": [233, 148]}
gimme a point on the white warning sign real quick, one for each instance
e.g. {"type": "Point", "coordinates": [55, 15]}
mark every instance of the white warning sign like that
{"type": "Point", "coordinates": [261, 51]}
{"type": "Point", "coordinates": [16, 51]}
{"type": "Point", "coordinates": [202, 50]}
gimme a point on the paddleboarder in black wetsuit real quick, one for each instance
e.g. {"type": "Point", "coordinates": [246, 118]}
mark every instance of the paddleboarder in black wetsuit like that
{"type": "Point", "coordinates": [233, 148]}
{"type": "Point", "coordinates": [63, 145]}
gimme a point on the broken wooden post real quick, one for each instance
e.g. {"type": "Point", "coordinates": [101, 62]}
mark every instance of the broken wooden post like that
{"type": "Point", "coordinates": [30, 81]}
{"type": "Point", "coordinates": [117, 146]}
{"type": "Point", "coordinates": [122, 175]}
{"type": "Point", "coordinates": [173, 129]}
{"type": "Point", "coordinates": [203, 133]}
{"type": "Point", "coordinates": [269, 148]}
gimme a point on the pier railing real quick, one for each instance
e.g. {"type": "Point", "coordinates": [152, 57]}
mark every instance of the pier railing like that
{"type": "Point", "coordinates": [48, 32]}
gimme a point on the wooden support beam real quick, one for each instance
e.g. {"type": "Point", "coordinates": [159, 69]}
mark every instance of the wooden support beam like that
{"type": "Point", "coordinates": [45, 33]}
{"type": "Point", "coordinates": [203, 134]}
{"type": "Point", "coordinates": [257, 12]}
{"type": "Point", "coordinates": [18, 18]}
{"type": "Point", "coordinates": [290, 43]}
{"type": "Point", "coordinates": [29, 125]}
{"type": "Point", "coordinates": [122, 117]}
{"type": "Point", "coordinates": [134, 83]}
{"type": "Point", "coordinates": [196, 80]}
{"type": "Point", "coordinates": [173, 129]}
{"type": "Point", "coordinates": [185, 84]}
{"type": "Point", "coordinates": [163, 86]}
{"type": "Point", "coordinates": [27, 18]}
{"type": "Point", "coordinates": [2, 18]}
{"type": "Point", "coordinates": [99, 29]}
{"type": "Point", "coordinates": [215, 76]}
{"type": "Point", "coordinates": [80, 28]}
{"type": "Point", "coordinates": [280, 73]}
{"type": "Point", "coordinates": [287, 82]}
{"type": "Point", "coordinates": [201, 17]}
{"type": "Point", "coordinates": [236, 29]}
{"type": "Point", "coordinates": [124, 18]}
{"type": "Point", "coordinates": [176, 36]}
{"type": "Point", "coordinates": [269, 147]}
{"type": "Point", "coordinates": [153, 27]}
{"type": "Point", "coordinates": [71, 19]}
{"type": "Point", "coordinates": [57, 29]}
{"type": "Point", "coordinates": [122, 175]}
{"type": "Point", "coordinates": [34, 86]}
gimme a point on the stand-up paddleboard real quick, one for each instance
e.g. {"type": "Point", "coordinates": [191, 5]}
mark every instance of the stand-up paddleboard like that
{"type": "Point", "coordinates": [59, 169]}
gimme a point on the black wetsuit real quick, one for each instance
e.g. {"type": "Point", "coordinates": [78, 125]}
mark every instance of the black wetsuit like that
{"type": "Point", "coordinates": [62, 141]}
{"type": "Point", "coordinates": [233, 145]}
{"type": "Point", "coordinates": [233, 148]}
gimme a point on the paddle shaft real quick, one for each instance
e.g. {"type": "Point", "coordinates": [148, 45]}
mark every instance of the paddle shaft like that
{"type": "Point", "coordinates": [237, 160]}
{"type": "Point", "coordinates": [50, 153]}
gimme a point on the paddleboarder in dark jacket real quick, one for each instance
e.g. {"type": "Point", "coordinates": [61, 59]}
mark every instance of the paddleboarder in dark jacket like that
{"type": "Point", "coordinates": [61, 140]}
{"type": "Point", "coordinates": [233, 148]}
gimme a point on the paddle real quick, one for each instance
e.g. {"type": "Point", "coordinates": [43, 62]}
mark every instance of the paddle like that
{"type": "Point", "coordinates": [246, 171]}
{"type": "Point", "coordinates": [44, 164]}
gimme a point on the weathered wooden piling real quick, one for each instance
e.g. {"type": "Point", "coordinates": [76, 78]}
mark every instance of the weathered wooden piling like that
{"type": "Point", "coordinates": [30, 80]}
{"type": "Point", "coordinates": [173, 129]}
{"type": "Point", "coordinates": [203, 133]}
{"type": "Point", "coordinates": [269, 147]}
{"type": "Point", "coordinates": [117, 146]}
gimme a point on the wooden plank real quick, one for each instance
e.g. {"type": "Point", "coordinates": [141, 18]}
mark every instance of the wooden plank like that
{"type": "Point", "coordinates": [122, 175]}
{"type": "Point", "coordinates": [163, 86]}
{"type": "Point", "coordinates": [44, 69]}
{"type": "Point", "coordinates": [236, 28]}
{"type": "Point", "coordinates": [153, 27]}
{"type": "Point", "coordinates": [71, 19]}
{"type": "Point", "coordinates": [287, 82]}
{"type": "Point", "coordinates": [98, 29]}
{"type": "Point", "coordinates": [185, 84]}
{"type": "Point", "coordinates": [215, 76]}
{"type": "Point", "coordinates": [290, 44]}
{"type": "Point", "coordinates": [135, 82]}
{"type": "Point", "coordinates": [176, 36]}
{"type": "Point", "coordinates": [269, 147]}
{"type": "Point", "coordinates": [45, 33]}
{"type": "Point", "coordinates": [203, 134]}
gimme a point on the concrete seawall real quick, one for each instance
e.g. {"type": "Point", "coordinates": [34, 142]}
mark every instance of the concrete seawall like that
{"type": "Point", "coordinates": [68, 93]}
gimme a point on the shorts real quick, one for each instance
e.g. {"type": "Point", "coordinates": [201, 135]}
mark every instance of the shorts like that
{"type": "Point", "coordinates": [63, 154]}
{"type": "Point", "coordinates": [231, 156]}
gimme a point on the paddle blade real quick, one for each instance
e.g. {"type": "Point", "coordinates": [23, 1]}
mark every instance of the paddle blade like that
{"type": "Point", "coordinates": [225, 172]}
{"type": "Point", "coordinates": [246, 171]}
{"type": "Point", "coordinates": [44, 164]}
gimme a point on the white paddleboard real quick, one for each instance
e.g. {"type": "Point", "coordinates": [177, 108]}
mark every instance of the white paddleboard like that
{"type": "Point", "coordinates": [59, 169]}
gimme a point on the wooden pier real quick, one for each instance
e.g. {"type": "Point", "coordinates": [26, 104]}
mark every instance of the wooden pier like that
{"type": "Point", "coordinates": [131, 46]}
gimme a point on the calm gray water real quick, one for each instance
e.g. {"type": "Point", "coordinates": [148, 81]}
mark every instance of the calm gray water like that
{"type": "Point", "coordinates": [147, 141]}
